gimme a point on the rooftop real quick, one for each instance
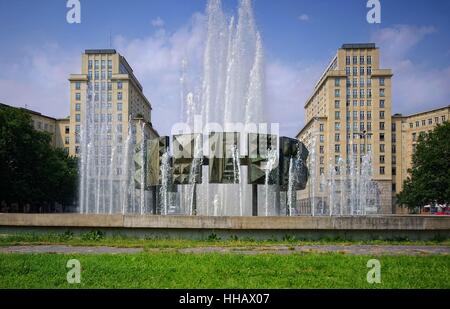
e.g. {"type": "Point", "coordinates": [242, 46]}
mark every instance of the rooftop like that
{"type": "Point", "coordinates": [359, 46]}
{"type": "Point", "coordinates": [100, 51]}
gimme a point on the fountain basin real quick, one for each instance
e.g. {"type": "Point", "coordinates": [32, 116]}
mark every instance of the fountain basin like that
{"type": "Point", "coordinates": [200, 227]}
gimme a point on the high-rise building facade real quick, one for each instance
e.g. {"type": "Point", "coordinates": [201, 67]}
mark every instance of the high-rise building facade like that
{"type": "Point", "coordinates": [108, 81]}
{"type": "Point", "coordinates": [349, 115]}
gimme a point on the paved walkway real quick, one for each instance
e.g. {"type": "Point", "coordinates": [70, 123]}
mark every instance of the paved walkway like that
{"type": "Point", "coordinates": [68, 249]}
{"type": "Point", "coordinates": [350, 249]}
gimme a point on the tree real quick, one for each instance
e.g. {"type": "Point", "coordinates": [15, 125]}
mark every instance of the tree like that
{"type": "Point", "coordinates": [429, 180]}
{"type": "Point", "coordinates": [32, 172]}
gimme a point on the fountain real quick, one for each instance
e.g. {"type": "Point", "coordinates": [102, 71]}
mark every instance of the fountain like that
{"type": "Point", "coordinates": [233, 166]}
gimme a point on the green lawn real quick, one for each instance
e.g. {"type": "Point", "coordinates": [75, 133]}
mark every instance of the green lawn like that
{"type": "Point", "coordinates": [175, 270]}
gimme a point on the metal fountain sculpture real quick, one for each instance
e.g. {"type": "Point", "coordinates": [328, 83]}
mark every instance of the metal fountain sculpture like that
{"type": "Point", "coordinates": [270, 161]}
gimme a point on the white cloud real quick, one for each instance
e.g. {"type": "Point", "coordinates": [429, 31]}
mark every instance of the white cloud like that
{"type": "Point", "coordinates": [158, 22]}
{"type": "Point", "coordinates": [288, 88]}
{"type": "Point", "coordinates": [303, 17]}
{"type": "Point", "coordinates": [416, 86]}
{"type": "Point", "coordinates": [40, 79]}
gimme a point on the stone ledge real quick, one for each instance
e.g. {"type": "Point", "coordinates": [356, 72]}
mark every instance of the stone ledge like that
{"type": "Point", "coordinates": [367, 223]}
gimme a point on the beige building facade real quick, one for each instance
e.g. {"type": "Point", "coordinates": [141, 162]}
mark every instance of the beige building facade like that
{"type": "Point", "coordinates": [107, 81]}
{"type": "Point", "coordinates": [349, 114]}
{"type": "Point", "coordinates": [405, 134]}
{"type": "Point", "coordinates": [57, 128]}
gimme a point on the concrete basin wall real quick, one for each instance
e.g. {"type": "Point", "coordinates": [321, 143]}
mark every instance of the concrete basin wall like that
{"type": "Point", "coordinates": [199, 227]}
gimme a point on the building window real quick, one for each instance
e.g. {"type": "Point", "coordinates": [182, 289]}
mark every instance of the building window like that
{"type": "Point", "coordinates": [77, 85]}
{"type": "Point", "coordinates": [109, 74]}
{"type": "Point", "coordinates": [77, 117]}
{"type": "Point", "coordinates": [337, 137]}
{"type": "Point", "coordinates": [321, 149]}
{"type": "Point", "coordinates": [361, 103]}
{"type": "Point", "coordinates": [77, 107]}
{"type": "Point", "coordinates": [337, 126]}
{"type": "Point", "coordinates": [337, 104]}
{"type": "Point", "coordinates": [381, 81]}
{"type": "Point", "coordinates": [382, 103]}
{"type": "Point", "coordinates": [77, 149]}
{"type": "Point", "coordinates": [361, 59]}
{"type": "Point", "coordinates": [347, 60]}
{"type": "Point", "coordinates": [119, 106]}
{"type": "Point", "coordinates": [394, 188]}
{"type": "Point", "coordinates": [424, 122]}
{"type": "Point", "coordinates": [337, 115]}
{"type": "Point", "coordinates": [382, 172]}
{"type": "Point", "coordinates": [369, 115]}
{"type": "Point", "coordinates": [337, 148]}
{"type": "Point", "coordinates": [103, 75]}
{"type": "Point", "coordinates": [430, 121]}
{"type": "Point", "coordinates": [414, 137]}
{"type": "Point", "coordinates": [67, 140]}
{"type": "Point", "coordinates": [443, 118]}
{"type": "Point", "coordinates": [369, 93]}
{"type": "Point", "coordinates": [369, 102]}
{"type": "Point", "coordinates": [109, 118]}
{"type": "Point", "coordinates": [394, 171]}
{"type": "Point", "coordinates": [77, 128]}
{"type": "Point", "coordinates": [321, 138]}
{"type": "Point", "coordinates": [369, 127]}
{"type": "Point", "coordinates": [361, 126]}
{"type": "Point", "coordinates": [77, 96]}
{"type": "Point", "coordinates": [119, 96]}
{"type": "Point", "coordinates": [382, 159]}
{"type": "Point", "coordinates": [382, 92]}
{"type": "Point", "coordinates": [322, 171]}
{"type": "Point", "coordinates": [96, 75]}
{"type": "Point", "coordinates": [369, 70]}
{"type": "Point", "coordinates": [119, 117]}
{"type": "Point", "coordinates": [382, 148]}
{"type": "Point", "coordinates": [381, 114]}
{"type": "Point", "coordinates": [96, 64]}
{"type": "Point", "coordinates": [355, 60]}
{"type": "Point", "coordinates": [337, 93]}
{"type": "Point", "coordinates": [337, 82]}
{"type": "Point", "coordinates": [119, 85]}
{"type": "Point", "coordinates": [103, 64]}
{"type": "Point", "coordinates": [361, 71]}
{"type": "Point", "coordinates": [355, 82]}
{"type": "Point", "coordinates": [90, 64]}
{"type": "Point", "coordinates": [355, 71]}
{"type": "Point", "coordinates": [355, 115]}
{"type": "Point", "coordinates": [369, 82]}
{"type": "Point", "coordinates": [347, 71]}
{"type": "Point", "coordinates": [355, 95]}
{"type": "Point", "coordinates": [361, 93]}
{"type": "Point", "coordinates": [67, 129]}
{"type": "Point", "coordinates": [381, 125]}
{"type": "Point", "coordinates": [394, 159]}
{"type": "Point", "coordinates": [394, 148]}
{"type": "Point", "coordinates": [381, 137]}
{"type": "Point", "coordinates": [321, 127]}
{"type": "Point", "coordinates": [417, 124]}
{"type": "Point", "coordinates": [109, 64]}
{"type": "Point", "coordinates": [369, 59]}
{"type": "Point", "coordinates": [322, 160]}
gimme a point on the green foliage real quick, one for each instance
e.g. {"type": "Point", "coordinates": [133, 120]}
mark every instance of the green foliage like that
{"type": "Point", "coordinates": [93, 235]}
{"type": "Point", "coordinates": [32, 171]}
{"type": "Point", "coordinates": [430, 175]}
{"type": "Point", "coordinates": [213, 237]}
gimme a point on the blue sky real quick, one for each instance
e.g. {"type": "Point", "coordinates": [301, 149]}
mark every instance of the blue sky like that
{"type": "Point", "coordinates": [40, 49]}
